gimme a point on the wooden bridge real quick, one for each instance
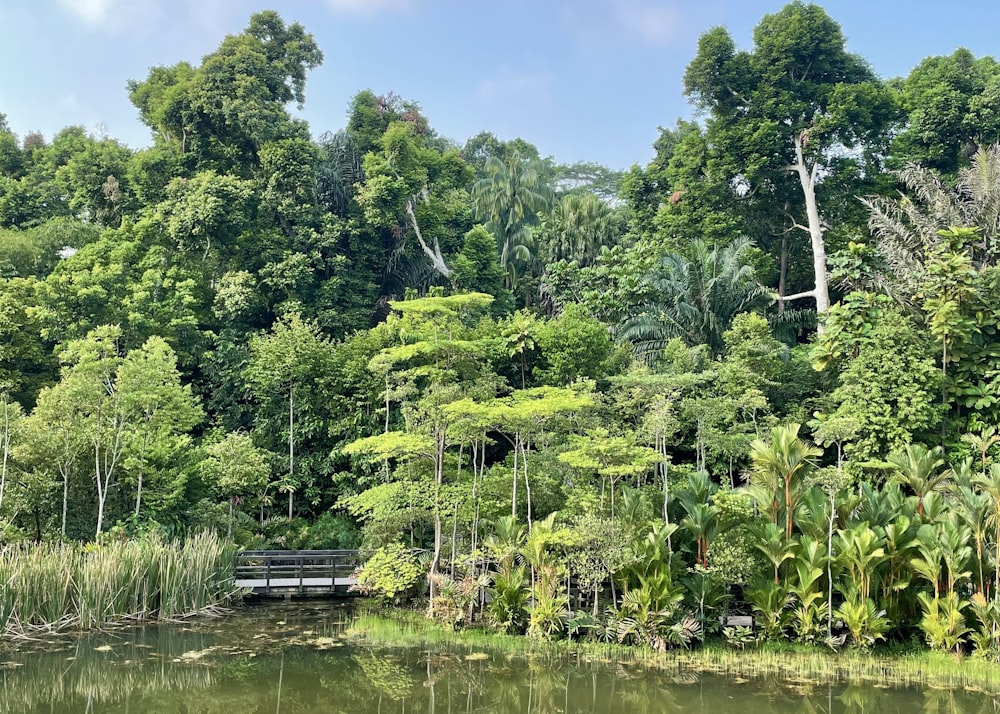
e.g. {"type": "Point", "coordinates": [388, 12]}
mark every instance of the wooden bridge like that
{"type": "Point", "coordinates": [297, 572]}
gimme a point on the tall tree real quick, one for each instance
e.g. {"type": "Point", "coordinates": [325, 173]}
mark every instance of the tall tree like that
{"type": "Point", "coordinates": [509, 199]}
{"type": "Point", "coordinates": [952, 106]}
{"type": "Point", "coordinates": [160, 409]}
{"type": "Point", "coordinates": [288, 365]}
{"type": "Point", "coordinates": [798, 110]}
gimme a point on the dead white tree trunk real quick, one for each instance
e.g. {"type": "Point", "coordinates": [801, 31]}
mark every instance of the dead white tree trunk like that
{"type": "Point", "coordinates": [807, 180]}
{"type": "Point", "coordinates": [434, 253]}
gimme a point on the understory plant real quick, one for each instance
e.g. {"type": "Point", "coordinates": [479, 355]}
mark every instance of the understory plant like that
{"type": "Point", "coordinates": [986, 637]}
{"type": "Point", "coordinates": [864, 621]}
{"type": "Point", "coordinates": [393, 573]}
{"type": "Point", "coordinates": [508, 600]}
{"type": "Point", "coordinates": [943, 622]}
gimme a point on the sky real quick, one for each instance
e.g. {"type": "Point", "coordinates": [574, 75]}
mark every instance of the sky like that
{"type": "Point", "coordinates": [584, 80]}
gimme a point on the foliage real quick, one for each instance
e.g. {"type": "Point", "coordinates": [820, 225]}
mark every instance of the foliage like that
{"type": "Point", "coordinates": [53, 587]}
{"type": "Point", "coordinates": [392, 572]}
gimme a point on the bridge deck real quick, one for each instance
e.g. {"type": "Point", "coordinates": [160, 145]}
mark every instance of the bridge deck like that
{"type": "Point", "coordinates": [302, 572]}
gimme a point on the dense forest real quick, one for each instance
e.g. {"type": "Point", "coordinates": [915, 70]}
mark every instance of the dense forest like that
{"type": "Point", "coordinates": [762, 369]}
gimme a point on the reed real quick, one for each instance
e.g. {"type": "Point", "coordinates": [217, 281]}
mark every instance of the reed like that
{"type": "Point", "coordinates": [63, 586]}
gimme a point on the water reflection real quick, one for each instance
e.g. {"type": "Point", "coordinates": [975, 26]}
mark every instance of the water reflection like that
{"type": "Point", "coordinates": [295, 659]}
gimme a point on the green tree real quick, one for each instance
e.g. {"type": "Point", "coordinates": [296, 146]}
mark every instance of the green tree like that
{"type": "Point", "coordinates": [695, 297]}
{"type": "Point", "coordinates": [161, 411]}
{"type": "Point", "coordinates": [782, 115]}
{"type": "Point", "coordinates": [236, 468]}
{"type": "Point", "coordinates": [284, 364]}
{"type": "Point", "coordinates": [613, 458]}
{"type": "Point", "coordinates": [221, 114]}
{"type": "Point", "coordinates": [413, 186]}
{"type": "Point", "coordinates": [952, 103]}
{"type": "Point", "coordinates": [509, 199]}
{"type": "Point", "coordinates": [784, 463]}
{"type": "Point", "coordinates": [889, 389]}
{"type": "Point", "coordinates": [921, 469]}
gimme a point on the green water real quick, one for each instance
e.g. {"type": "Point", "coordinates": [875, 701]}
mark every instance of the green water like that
{"type": "Point", "coordinates": [296, 658]}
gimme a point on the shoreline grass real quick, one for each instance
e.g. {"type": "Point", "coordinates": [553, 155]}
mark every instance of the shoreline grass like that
{"type": "Point", "coordinates": [881, 669]}
{"type": "Point", "coordinates": [58, 587]}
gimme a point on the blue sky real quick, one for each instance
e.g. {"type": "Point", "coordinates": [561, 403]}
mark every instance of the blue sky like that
{"type": "Point", "coordinates": [582, 79]}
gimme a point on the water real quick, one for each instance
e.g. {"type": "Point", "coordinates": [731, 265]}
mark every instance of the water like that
{"type": "Point", "coordinates": [296, 658]}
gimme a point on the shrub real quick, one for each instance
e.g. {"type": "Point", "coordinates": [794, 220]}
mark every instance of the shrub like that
{"type": "Point", "coordinates": [392, 573]}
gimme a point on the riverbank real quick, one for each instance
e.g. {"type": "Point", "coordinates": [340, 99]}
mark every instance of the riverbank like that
{"type": "Point", "coordinates": [882, 668]}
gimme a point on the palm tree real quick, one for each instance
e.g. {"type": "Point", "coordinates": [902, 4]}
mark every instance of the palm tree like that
{"type": "Point", "coordinates": [982, 443]}
{"type": "Point", "coordinates": [783, 461]}
{"type": "Point", "coordinates": [337, 171]}
{"type": "Point", "coordinates": [702, 522]}
{"type": "Point", "coordinates": [509, 200]}
{"type": "Point", "coordinates": [989, 483]}
{"type": "Point", "coordinates": [697, 296]}
{"type": "Point", "coordinates": [921, 469]}
{"type": "Point", "coordinates": [577, 228]}
{"type": "Point", "coordinates": [908, 231]}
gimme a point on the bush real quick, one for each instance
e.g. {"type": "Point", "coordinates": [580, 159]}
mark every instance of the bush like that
{"type": "Point", "coordinates": [392, 573]}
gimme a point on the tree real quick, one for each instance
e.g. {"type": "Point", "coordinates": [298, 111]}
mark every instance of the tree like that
{"type": "Point", "coordinates": [921, 469]}
{"type": "Point", "coordinates": [509, 199]}
{"type": "Point", "coordinates": [54, 441]}
{"type": "Point", "coordinates": [159, 408]}
{"type": "Point", "coordinates": [798, 108]}
{"type": "Point", "coordinates": [11, 425]}
{"type": "Point", "coordinates": [695, 297]}
{"type": "Point", "coordinates": [613, 458]}
{"type": "Point", "coordinates": [577, 228]}
{"type": "Point", "coordinates": [219, 115]}
{"type": "Point", "coordinates": [908, 230]}
{"type": "Point", "coordinates": [283, 362]}
{"type": "Point", "coordinates": [989, 484]}
{"type": "Point", "coordinates": [783, 462]}
{"type": "Point", "coordinates": [236, 468]}
{"type": "Point", "coordinates": [888, 388]}
{"type": "Point", "coordinates": [411, 186]}
{"type": "Point", "coordinates": [952, 104]}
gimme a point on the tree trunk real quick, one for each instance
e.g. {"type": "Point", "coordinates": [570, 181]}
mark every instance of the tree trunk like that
{"type": "Point", "coordinates": [527, 483]}
{"type": "Point", "coordinates": [65, 502]}
{"type": "Point", "coordinates": [829, 561]}
{"type": "Point", "coordinates": [438, 480]}
{"type": "Point", "coordinates": [138, 488]}
{"type": "Point", "coordinates": [996, 574]}
{"type": "Point", "coordinates": [291, 448]}
{"type": "Point", "coordinates": [788, 507]}
{"type": "Point", "coordinates": [782, 273]}
{"type": "Point", "coordinates": [6, 448]}
{"type": "Point", "coordinates": [807, 179]}
{"type": "Point", "coordinates": [101, 492]}
{"type": "Point", "coordinates": [437, 260]}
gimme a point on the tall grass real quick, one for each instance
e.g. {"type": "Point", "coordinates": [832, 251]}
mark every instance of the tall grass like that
{"type": "Point", "coordinates": [54, 587]}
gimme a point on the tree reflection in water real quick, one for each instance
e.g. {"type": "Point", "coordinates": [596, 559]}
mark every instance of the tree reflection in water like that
{"type": "Point", "coordinates": [284, 661]}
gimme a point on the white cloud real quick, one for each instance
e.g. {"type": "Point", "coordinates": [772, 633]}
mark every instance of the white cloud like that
{"type": "Point", "coordinates": [93, 12]}
{"type": "Point", "coordinates": [116, 15]}
{"type": "Point", "coordinates": [652, 22]}
{"type": "Point", "coordinates": [143, 17]}
{"type": "Point", "coordinates": [509, 85]}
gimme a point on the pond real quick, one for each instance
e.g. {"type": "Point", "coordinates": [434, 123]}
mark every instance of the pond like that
{"type": "Point", "coordinates": [302, 658]}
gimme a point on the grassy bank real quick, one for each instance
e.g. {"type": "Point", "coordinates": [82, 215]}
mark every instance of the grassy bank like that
{"type": "Point", "coordinates": [918, 668]}
{"type": "Point", "coordinates": [69, 586]}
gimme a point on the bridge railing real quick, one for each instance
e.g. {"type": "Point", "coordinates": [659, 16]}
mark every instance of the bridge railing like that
{"type": "Point", "coordinates": [301, 569]}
